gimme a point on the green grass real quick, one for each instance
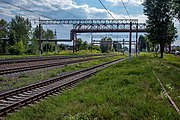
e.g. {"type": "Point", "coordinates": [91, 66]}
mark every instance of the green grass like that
{"type": "Point", "coordinates": [26, 79]}
{"type": "Point", "coordinates": [64, 52]}
{"type": "Point", "coordinates": [122, 91]}
{"type": "Point", "coordinates": [16, 56]}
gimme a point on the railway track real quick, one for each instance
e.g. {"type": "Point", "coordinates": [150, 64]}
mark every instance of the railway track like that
{"type": "Point", "coordinates": [39, 66]}
{"type": "Point", "coordinates": [12, 100]}
{"type": "Point", "coordinates": [34, 59]}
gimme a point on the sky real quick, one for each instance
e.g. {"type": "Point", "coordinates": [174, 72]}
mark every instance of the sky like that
{"type": "Point", "coordinates": [74, 9]}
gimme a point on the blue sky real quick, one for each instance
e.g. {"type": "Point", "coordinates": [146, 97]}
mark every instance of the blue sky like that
{"type": "Point", "coordinates": [74, 9]}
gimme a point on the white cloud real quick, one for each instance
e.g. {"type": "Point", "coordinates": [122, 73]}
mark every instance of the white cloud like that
{"type": "Point", "coordinates": [132, 2]}
{"type": "Point", "coordinates": [58, 9]}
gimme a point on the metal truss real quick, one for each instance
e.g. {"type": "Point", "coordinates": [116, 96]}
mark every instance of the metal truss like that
{"type": "Point", "coordinates": [118, 27]}
{"type": "Point", "coordinates": [99, 41]}
{"type": "Point", "coordinates": [108, 36]}
{"type": "Point", "coordinates": [99, 25]}
{"type": "Point", "coordinates": [54, 40]}
{"type": "Point", "coordinates": [88, 21]}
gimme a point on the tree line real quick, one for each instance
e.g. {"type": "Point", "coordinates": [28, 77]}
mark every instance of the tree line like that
{"type": "Point", "coordinates": [18, 37]}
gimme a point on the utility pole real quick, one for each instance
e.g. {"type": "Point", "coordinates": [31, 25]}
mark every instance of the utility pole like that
{"type": "Point", "coordinates": [40, 35]}
{"type": "Point", "coordinates": [130, 38]}
{"type": "Point", "coordinates": [123, 47]}
{"type": "Point", "coordinates": [136, 39]}
{"type": "Point", "coordinates": [91, 41]}
{"type": "Point", "coordinates": [55, 38]}
{"type": "Point", "coordinates": [46, 44]}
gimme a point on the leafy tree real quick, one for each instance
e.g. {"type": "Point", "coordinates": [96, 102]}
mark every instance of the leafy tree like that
{"type": "Point", "coordinates": [84, 45]}
{"type": "Point", "coordinates": [3, 34]}
{"type": "Point", "coordinates": [48, 46]}
{"type": "Point", "coordinates": [49, 34]}
{"type": "Point", "coordinates": [3, 28]}
{"type": "Point", "coordinates": [176, 9]}
{"type": "Point", "coordinates": [106, 45]}
{"type": "Point", "coordinates": [125, 48]}
{"type": "Point", "coordinates": [63, 46]}
{"type": "Point", "coordinates": [44, 35]}
{"type": "Point", "coordinates": [96, 47]}
{"type": "Point", "coordinates": [36, 32]}
{"type": "Point", "coordinates": [144, 45]}
{"type": "Point", "coordinates": [33, 47]}
{"type": "Point", "coordinates": [19, 30]}
{"type": "Point", "coordinates": [117, 46]}
{"type": "Point", "coordinates": [160, 27]}
{"type": "Point", "coordinates": [79, 43]}
{"type": "Point", "coordinates": [18, 48]}
{"type": "Point", "coordinates": [12, 37]}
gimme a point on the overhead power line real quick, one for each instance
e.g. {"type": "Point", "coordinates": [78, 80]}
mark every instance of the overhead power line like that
{"type": "Point", "coordinates": [62, 9]}
{"type": "Point", "coordinates": [126, 9]}
{"type": "Point", "coordinates": [106, 9]}
{"type": "Point", "coordinates": [26, 9]}
{"type": "Point", "coordinates": [12, 15]}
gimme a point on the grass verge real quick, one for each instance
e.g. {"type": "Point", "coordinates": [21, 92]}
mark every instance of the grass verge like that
{"type": "Point", "coordinates": [123, 91]}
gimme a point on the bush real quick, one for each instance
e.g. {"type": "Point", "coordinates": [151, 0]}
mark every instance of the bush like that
{"type": "Point", "coordinates": [17, 49]}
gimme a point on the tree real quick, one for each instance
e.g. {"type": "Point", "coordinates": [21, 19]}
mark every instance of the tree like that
{"type": "Point", "coordinates": [32, 47]}
{"type": "Point", "coordinates": [160, 27]}
{"type": "Point", "coordinates": [95, 47]}
{"type": "Point", "coordinates": [125, 48]}
{"type": "Point", "coordinates": [49, 46]}
{"type": "Point", "coordinates": [84, 45]}
{"type": "Point", "coordinates": [19, 30]}
{"type": "Point", "coordinates": [144, 44]}
{"type": "Point", "coordinates": [3, 28]}
{"type": "Point", "coordinates": [79, 43]}
{"type": "Point", "coordinates": [176, 9]}
{"type": "Point", "coordinates": [106, 44]}
{"type": "Point", "coordinates": [63, 46]}
{"type": "Point", "coordinates": [36, 32]}
{"type": "Point", "coordinates": [18, 48]}
{"type": "Point", "coordinates": [49, 34]}
{"type": "Point", "coordinates": [3, 34]}
{"type": "Point", "coordinates": [117, 46]}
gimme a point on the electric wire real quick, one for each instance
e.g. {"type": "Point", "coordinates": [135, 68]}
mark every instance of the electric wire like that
{"type": "Point", "coordinates": [106, 9]}
{"type": "Point", "coordinates": [126, 9]}
{"type": "Point", "coordinates": [62, 9]}
{"type": "Point", "coordinates": [26, 9]}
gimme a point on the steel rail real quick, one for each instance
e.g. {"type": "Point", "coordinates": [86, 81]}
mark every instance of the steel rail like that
{"type": "Point", "coordinates": [34, 59]}
{"type": "Point", "coordinates": [11, 100]}
{"type": "Point", "coordinates": [33, 67]}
